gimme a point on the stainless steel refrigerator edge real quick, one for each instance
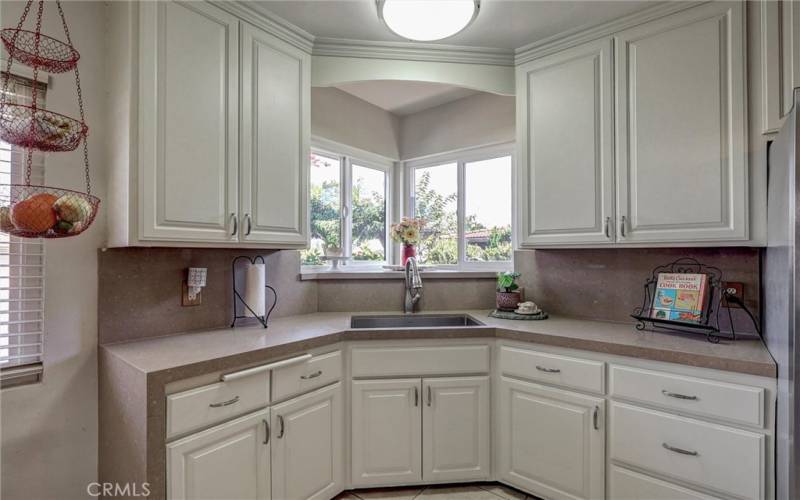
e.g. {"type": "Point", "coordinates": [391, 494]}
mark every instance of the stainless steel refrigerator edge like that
{"type": "Point", "coordinates": [781, 300]}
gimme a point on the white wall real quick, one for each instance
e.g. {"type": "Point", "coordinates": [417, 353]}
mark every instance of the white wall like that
{"type": "Point", "coordinates": [343, 118]}
{"type": "Point", "coordinates": [472, 121]}
{"type": "Point", "coordinates": [49, 430]}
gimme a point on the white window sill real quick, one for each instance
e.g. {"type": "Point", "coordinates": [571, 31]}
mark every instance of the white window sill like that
{"type": "Point", "coordinates": [371, 273]}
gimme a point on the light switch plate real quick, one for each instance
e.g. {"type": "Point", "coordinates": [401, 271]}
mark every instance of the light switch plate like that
{"type": "Point", "coordinates": [186, 301]}
{"type": "Point", "coordinates": [736, 289]}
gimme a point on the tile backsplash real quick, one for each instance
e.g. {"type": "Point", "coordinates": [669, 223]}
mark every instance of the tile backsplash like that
{"type": "Point", "coordinates": [607, 284]}
{"type": "Point", "coordinates": [140, 288]}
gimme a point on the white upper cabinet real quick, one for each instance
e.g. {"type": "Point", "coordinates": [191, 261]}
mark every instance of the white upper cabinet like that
{"type": "Point", "coordinates": [275, 139]}
{"type": "Point", "coordinates": [565, 154]}
{"type": "Point", "coordinates": [188, 122]}
{"type": "Point", "coordinates": [653, 154]}
{"type": "Point", "coordinates": [681, 135]}
{"type": "Point", "coordinates": [219, 151]}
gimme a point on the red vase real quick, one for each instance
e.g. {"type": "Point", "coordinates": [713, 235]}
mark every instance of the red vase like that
{"type": "Point", "coordinates": [408, 251]}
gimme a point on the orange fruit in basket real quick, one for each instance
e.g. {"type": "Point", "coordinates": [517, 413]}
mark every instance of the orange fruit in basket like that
{"type": "Point", "coordinates": [34, 214]}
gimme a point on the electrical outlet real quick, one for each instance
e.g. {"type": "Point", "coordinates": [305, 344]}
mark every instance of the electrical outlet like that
{"type": "Point", "coordinates": [736, 289]}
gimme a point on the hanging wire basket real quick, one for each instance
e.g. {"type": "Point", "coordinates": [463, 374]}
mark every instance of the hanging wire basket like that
{"type": "Point", "coordinates": [47, 53]}
{"type": "Point", "coordinates": [29, 127]}
{"type": "Point", "coordinates": [45, 212]}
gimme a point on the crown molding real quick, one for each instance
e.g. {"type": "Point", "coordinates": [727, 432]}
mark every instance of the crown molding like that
{"type": "Point", "coordinates": [255, 14]}
{"type": "Point", "coordinates": [412, 51]}
{"type": "Point", "coordinates": [583, 34]}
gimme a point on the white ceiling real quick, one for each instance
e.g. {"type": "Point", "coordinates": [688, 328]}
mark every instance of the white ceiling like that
{"type": "Point", "coordinates": [405, 98]}
{"type": "Point", "coordinates": [508, 24]}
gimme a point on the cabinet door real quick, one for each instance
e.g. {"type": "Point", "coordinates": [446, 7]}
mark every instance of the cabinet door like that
{"type": "Point", "coordinates": [276, 92]}
{"type": "Point", "coordinates": [551, 442]}
{"type": "Point", "coordinates": [681, 136]}
{"type": "Point", "coordinates": [307, 453]}
{"type": "Point", "coordinates": [230, 460]}
{"type": "Point", "coordinates": [455, 428]}
{"type": "Point", "coordinates": [386, 432]}
{"type": "Point", "coordinates": [188, 122]}
{"type": "Point", "coordinates": [565, 147]}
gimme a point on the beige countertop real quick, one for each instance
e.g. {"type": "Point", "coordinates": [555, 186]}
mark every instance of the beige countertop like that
{"type": "Point", "coordinates": [227, 348]}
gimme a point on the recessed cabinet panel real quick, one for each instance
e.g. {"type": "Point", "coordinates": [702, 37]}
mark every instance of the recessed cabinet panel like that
{"type": "Point", "coordinates": [386, 432]}
{"type": "Point", "coordinates": [565, 146]}
{"type": "Point", "coordinates": [188, 121]}
{"type": "Point", "coordinates": [551, 442]}
{"type": "Point", "coordinates": [227, 461]}
{"type": "Point", "coordinates": [275, 148]}
{"type": "Point", "coordinates": [682, 172]}
{"type": "Point", "coordinates": [455, 423]}
{"type": "Point", "coordinates": [307, 452]}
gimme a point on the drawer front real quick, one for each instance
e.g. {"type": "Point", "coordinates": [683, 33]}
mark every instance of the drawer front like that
{"type": "Point", "coordinates": [210, 404]}
{"type": "Point", "coordinates": [709, 398]}
{"type": "Point", "coordinates": [419, 361]}
{"type": "Point", "coordinates": [724, 459]}
{"type": "Point", "coordinates": [316, 372]}
{"type": "Point", "coordinates": [553, 369]}
{"type": "Point", "coordinates": [625, 484]}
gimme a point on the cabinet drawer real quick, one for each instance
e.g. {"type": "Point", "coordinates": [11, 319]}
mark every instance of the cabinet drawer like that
{"type": "Point", "coordinates": [429, 360]}
{"type": "Point", "coordinates": [210, 404]}
{"type": "Point", "coordinates": [318, 371]}
{"type": "Point", "coordinates": [553, 369]}
{"type": "Point", "coordinates": [625, 484]}
{"type": "Point", "coordinates": [708, 398]}
{"type": "Point", "coordinates": [724, 459]}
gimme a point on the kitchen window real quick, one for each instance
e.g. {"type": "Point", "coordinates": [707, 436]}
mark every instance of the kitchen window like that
{"type": "Point", "coordinates": [349, 207]}
{"type": "Point", "coordinates": [21, 268]}
{"type": "Point", "coordinates": [465, 200]}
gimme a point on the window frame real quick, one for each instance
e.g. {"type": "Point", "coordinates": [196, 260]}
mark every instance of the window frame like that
{"type": "Point", "coordinates": [347, 157]}
{"type": "Point", "coordinates": [461, 158]}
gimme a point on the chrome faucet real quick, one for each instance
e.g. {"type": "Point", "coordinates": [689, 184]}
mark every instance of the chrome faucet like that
{"type": "Point", "coordinates": [413, 285]}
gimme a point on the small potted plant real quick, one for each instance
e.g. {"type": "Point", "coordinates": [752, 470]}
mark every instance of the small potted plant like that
{"type": "Point", "coordinates": [508, 292]}
{"type": "Point", "coordinates": [408, 232]}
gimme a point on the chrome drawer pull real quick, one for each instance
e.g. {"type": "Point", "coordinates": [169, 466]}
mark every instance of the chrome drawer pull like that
{"type": "Point", "coordinates": [678, 396]}
{"type": "Point", "coordinates": [547, 370]}
{"type": "Point", "coordinates": [313, 375]}
{"type": "Point", "coordinates": [679, 450]}
{"type": "Point", "coordinates": [224, 403]}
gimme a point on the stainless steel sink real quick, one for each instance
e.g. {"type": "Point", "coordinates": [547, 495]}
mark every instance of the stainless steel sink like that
{"type": "Point", "coordinates": [413, 321]}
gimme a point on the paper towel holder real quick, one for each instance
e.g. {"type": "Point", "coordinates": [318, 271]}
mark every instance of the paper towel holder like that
{"type": "Point", "coordinates": [238, 297]}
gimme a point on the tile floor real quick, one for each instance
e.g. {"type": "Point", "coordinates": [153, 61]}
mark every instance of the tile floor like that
{"type": "Point", "coordinates": [477, 491]}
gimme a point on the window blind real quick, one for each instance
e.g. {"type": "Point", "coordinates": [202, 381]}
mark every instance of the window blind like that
{"type": "Point", "coordinates": [21, 259]}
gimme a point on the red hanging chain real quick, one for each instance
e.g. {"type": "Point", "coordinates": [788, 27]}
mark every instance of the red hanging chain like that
{"type": "Point", "coordinates": [80, 102]}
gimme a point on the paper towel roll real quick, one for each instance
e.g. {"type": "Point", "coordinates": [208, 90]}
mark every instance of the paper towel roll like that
{"type": "Point", "coordinates": [254, 291]}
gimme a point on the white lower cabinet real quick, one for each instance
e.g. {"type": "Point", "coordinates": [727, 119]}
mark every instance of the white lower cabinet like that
{"type": "Point", "coordinates": [386, 432]}
{"type": "Point", "coordinates": [307, 452]}
{"type": "Point", "coordinates": [551, 442]}
{"type": "Point", "coordinates": [624, 484]}
{"type": "Point", "coordinates": [455, 429]}
{"type": "Point", "coordinates": [412, 430]}
{"type": "Point", "coordinates": [230, 460]}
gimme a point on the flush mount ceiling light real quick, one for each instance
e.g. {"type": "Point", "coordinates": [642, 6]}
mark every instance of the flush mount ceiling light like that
{"type": "Point", "coordinates": [427, 20]}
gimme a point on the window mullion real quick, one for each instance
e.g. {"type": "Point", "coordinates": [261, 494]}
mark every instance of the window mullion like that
{"type": "Point", "coordinates": [460, 211]}
{"type": "Point", "coordinates": [347, 206]}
